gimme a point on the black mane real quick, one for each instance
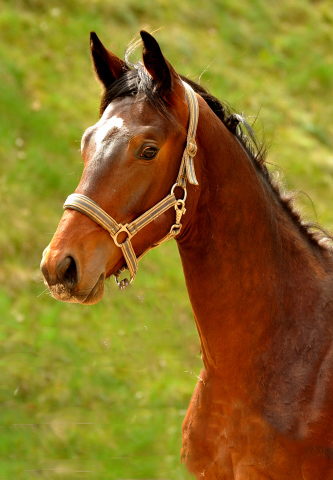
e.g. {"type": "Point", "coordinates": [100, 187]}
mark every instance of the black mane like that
{"type": "Point", "coordinates": [136, 80]}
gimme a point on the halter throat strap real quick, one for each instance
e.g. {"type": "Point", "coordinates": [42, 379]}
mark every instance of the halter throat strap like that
{"type": "Point", "coordinates": [87, 206]}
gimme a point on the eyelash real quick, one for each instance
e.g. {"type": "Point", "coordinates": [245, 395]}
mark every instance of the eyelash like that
{"type": "Point", "coordinates": [151, 152]}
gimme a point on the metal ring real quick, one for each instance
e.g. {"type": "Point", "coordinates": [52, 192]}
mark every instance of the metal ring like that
{"type": "Point", "coordinates": [123, 283]}
{"type": "Point", "coordinates": [183, 188]}
{"type": "Point", "coordinates": [180, 205]}
{"type": "Point", "coordinates": [123, 228]}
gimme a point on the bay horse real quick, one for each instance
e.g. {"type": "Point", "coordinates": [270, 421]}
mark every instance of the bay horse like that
{"type": "Point", "coordinates": [168, 160]}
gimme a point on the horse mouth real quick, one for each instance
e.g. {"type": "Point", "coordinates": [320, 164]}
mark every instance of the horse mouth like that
{"type": "Point", "coordinates": [59, 292]}
{"type": "Point", "coordinates": [96, 293]}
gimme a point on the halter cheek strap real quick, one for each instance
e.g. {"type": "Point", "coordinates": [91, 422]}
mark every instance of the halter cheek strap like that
{"type": "Point", "coordinates": [85, 205]}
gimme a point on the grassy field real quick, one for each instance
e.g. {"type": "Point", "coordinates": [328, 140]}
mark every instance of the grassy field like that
{"type": "Point", "coordinates": [100, 392]}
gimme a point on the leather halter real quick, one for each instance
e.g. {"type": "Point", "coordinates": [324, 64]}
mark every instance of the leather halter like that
{"type": "Point", "coordinates": [85, 205]}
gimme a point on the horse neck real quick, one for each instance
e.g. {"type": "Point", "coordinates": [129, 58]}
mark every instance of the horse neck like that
{"type": "Point", "coordinates": [244, 258]}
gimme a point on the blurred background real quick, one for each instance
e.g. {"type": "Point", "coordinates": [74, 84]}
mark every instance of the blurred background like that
{"type": "Point", "coordinates": [100, 392]}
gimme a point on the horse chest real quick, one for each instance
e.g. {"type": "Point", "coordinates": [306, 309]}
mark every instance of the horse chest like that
{"type": "Point", "coordinates": [228, 441]}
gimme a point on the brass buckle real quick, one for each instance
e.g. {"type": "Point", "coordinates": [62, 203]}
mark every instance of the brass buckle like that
{"type": "Point", "coordinates": [123, 228]}
{"type": "Point", "coordinates": [180, 210]}
{"type": "Point", "coordinates": [191, 147]}
{"type": "Point", "coordinates": [175, 229]}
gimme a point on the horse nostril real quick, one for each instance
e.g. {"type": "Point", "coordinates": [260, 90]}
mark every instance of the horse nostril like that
{"type": "Point", "coordinates": [45, 271]}
{"type": "Point", "coordinates": [67, 272]}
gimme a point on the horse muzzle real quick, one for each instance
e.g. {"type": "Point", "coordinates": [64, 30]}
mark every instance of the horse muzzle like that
{"type": "Point", "coordinates": [62, 276]}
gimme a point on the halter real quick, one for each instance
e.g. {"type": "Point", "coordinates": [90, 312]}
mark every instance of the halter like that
{"type": "Point", "coordinates": [85, 205]}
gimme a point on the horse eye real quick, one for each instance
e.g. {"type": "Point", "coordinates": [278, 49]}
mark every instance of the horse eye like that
{"type": "Point", "coordinates": [148, 153]}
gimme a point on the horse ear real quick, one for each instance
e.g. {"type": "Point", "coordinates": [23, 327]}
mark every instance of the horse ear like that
{"type": "Point", "coordinates": [108, 67]}
{"type": "Point", "coordinates": [157, 66]}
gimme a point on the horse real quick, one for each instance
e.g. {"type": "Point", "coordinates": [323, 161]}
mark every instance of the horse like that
{"type": "Point", "coordinates": [168, 160]}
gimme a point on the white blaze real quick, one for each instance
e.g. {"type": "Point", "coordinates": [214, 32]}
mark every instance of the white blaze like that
{"type": "Point", "coordinates": [107, 127]}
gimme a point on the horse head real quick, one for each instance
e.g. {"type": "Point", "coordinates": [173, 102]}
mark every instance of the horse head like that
{"type": "Point", "coordinates": [131, 159]}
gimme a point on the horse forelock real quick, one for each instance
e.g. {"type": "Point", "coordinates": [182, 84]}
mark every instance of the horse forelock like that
{"type": "Point", "coordinates": [136, 81]}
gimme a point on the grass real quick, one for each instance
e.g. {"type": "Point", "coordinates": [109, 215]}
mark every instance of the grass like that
{"type": "Point", "coordinates": [100, 392]}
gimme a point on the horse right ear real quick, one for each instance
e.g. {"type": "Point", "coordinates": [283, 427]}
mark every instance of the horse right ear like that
{"type": "Point", "coordinates": [108, 67]}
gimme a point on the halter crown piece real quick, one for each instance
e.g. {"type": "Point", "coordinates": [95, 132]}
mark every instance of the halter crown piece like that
{"type": "Point", "coordinates": [85, 205]}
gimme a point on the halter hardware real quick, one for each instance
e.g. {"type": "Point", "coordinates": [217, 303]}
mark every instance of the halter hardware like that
{"type": "Point", "coordinates": [87, 206]}
{"type": "Point", "coordinates": [123, 228]}
{"type": "Point", "coordinates": [182, 187]}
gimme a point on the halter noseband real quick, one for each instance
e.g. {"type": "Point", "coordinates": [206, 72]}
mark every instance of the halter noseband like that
{"type": "Point", "coordinates": [85, 205]}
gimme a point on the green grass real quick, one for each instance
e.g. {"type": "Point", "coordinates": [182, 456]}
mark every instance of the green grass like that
{"type": "Point", "coordinates": [100, 392]}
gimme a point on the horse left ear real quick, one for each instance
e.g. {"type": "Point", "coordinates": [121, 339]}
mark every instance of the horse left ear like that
{"type": "Point", "coordinates": [164, 75]}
